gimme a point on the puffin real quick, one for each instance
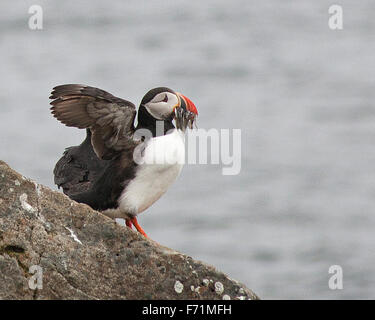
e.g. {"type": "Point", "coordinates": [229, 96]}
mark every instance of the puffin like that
{"type": "Point", "coordinates": [121, 168]}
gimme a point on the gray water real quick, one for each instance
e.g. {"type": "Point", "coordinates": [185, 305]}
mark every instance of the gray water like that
{"type": "Point", "coordinates": [302, 94]}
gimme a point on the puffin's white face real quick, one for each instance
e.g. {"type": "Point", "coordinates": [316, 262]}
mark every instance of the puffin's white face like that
{"type": "Point", "coordinates": [162, 105]}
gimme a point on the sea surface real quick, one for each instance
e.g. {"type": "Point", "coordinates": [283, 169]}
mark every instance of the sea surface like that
{"type": "Point", "coordinates": [302, 94]}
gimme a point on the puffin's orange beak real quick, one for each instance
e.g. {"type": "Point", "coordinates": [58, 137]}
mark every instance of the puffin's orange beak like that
{"type": "Point", "coordinates": [190, 106]}
{"type": "Point", "coordinates": [186, 113]}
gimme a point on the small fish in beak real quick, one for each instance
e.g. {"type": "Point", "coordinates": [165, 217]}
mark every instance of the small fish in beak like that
{"type": "Point", "coordinates": [186, 113]}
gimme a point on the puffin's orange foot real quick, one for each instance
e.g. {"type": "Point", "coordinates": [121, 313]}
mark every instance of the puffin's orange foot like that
{"type": "Point", "coordinates": [128, 223]}
{"type": "Point", "coordinates": [138, 227]}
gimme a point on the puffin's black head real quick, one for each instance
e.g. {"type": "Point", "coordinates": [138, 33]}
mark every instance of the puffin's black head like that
{"type": "Point", "coordinates": [163, 103]}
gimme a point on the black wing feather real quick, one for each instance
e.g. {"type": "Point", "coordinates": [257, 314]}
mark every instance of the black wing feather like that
{"type": "Point", "coordinates": [110, 119]}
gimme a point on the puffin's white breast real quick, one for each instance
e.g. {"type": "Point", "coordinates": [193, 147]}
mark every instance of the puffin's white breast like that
{"type": "Point", "coordinates": [163, 159]}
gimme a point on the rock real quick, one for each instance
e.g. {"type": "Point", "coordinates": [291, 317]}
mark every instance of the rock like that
{"type": "Point", "coordinates": [54, 248]}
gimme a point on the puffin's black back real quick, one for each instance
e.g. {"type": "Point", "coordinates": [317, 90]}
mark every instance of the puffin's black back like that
{"type": "Point", "coordinates": [78, 168]}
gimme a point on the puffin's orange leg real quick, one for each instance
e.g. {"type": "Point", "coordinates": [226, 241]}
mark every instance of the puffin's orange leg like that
{"type": "Point", "coordinates": [128, 223]}
{"type": "Point", "coordinates": [138, 227]}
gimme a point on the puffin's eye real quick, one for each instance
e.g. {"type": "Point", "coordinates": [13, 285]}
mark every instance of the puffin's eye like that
{"type": "Point", "coordinates": [165, 98]}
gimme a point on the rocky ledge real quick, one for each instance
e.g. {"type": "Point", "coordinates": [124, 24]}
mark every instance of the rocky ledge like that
{"type": "Point", "coordinates": [54, 248]}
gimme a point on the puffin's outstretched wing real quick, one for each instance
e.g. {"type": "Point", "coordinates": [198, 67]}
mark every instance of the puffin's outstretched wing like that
{"type": "Point", "coordinates": [78, 168]}
{"type": "Point", "coordinates": [110, 119]}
